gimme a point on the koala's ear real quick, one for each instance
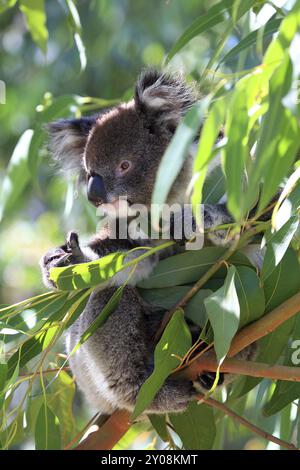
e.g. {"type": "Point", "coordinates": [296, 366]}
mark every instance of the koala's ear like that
{"type": "Point", "coordinates": [67, 140]}
{"type": "Point", "coordinates": [162, 99]}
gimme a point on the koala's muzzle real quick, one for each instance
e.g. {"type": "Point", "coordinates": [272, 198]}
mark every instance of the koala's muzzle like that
{"type": "Point", "coordinates": [96, 190]}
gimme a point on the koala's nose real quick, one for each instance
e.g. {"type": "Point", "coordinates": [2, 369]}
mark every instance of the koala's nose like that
{"type": "Point", "coordinates": [96, 190]}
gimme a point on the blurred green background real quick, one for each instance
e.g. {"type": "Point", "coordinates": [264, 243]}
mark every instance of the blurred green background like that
{"type": "Point", "coordinates": [120, 37]}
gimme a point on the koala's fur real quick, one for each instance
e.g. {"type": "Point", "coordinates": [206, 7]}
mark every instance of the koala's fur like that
{"type": "Point", "coordinates": [113, 364]}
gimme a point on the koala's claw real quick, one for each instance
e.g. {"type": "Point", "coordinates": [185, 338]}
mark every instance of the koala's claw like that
{"type": "Point", "coordinates": [206, 380]}
{"type": "Point", "coordinates": [73, 243]}
{"type": "Point", "coordinates": [69, 253]}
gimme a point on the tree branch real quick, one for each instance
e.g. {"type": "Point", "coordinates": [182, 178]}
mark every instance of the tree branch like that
{"type": "Point", "coordinates": [265, 325]}
{"type": "Point", "coordinates": [245, 422]}
{"type": "Point", "coordinates": [208, 362]}
{"type": "Point", "coordinates": [109, 434]}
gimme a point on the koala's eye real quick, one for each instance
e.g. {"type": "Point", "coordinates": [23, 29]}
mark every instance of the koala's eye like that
{"type": "Point", "coordinates": [124, 167]}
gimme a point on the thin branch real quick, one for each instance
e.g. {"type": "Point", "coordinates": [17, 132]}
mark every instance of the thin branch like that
{"type": "Point", "coordinates": [208, 362]}
{"type": "Point", "coordinates": [265, 325]}
{"type": "Point", "coordinates": [109, 434]}
{"type": "Point", "coordinates": [227, 411]}
{"type": "Point", "coordinates": [47, 371]}
{"type": "Point", "coordinates": [98, 420]}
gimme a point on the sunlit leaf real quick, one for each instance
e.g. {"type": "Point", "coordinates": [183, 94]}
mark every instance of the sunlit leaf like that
{"type": "Point", "coordinates": [215, 15]}
{"type": "Point", "coordinates": [34, 11]}
{"type": "Point", "coordinates": [277, 244]}
{"type": "Point", "coordinates": [6, 4]}
{"type": "Point", "coordinates": [17, 174]}
{"type": "Point", "coordinates": [74, 20]}
{"type": "Point", "coordinates": [174, 157]}
{"type": "Point", "coordinates": [271, 27]}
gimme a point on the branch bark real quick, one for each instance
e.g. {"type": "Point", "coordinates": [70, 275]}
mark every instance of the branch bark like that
{"type": "Point", "coordinates": [265, 325]}
{"type": "Point", "coordinates": [109, 434]}
{"type": "Point", "coordinates": [208, 362]}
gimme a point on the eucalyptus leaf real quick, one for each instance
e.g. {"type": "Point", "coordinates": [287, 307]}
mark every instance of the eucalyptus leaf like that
{"type": "Point", "coordinates": [189, 266]}
{"type": "Point", "coordinates": [196, 426]}
{"type": "Point", "coordinates": [277, 244]}
{"type": "Point", "coordinates": [47, 430]}
{"type": "Point", "coordinates": [34, 11]}
{"type": "Point", "coordinates": [223, 310]}
{"type": "Point", "coordinates": [175, 341]}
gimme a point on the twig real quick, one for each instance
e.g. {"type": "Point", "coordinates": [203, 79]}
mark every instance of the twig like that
{"type": "Point", "coordinates": [227, 411]}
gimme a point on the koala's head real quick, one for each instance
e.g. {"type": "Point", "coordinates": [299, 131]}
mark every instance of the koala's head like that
{"type": "Point", "coordinates": [119, 151]}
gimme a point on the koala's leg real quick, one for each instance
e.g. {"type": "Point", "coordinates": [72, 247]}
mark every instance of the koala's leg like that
{"type": "Point", "coordinates": [113, 364]}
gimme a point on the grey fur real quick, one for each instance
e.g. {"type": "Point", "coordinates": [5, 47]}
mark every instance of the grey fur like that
{"type": "Point", "coordinates": [113, 364]}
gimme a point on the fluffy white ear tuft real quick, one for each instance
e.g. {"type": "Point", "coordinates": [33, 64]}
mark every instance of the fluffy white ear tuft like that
{"type": "Point", "coordinates": [67, 139]}
{"type": "Point", "coordinates": [162, 98]}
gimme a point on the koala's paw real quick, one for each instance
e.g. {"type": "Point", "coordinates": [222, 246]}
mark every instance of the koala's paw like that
{"type": "Point", "coordinates": [65, 255]}
{"type": "Point", "coordinates": [206, 380]}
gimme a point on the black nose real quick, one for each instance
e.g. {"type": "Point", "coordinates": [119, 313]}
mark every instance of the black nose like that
{"type": "Point", "coordinates": [96, 190]}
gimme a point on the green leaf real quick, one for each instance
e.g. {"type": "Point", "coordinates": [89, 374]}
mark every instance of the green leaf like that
{"type": "Point", "coordinates": [277, 142]}
{"type": "Point", "coordinates": [204, 155]}
{"type": "Point", "coordinates": [288, 202]}
{"type": "Point", "coordinates": [168, 297]}
{"type": "Point", "coordinates": [175, 341]}
{"type": "Point", "coordinates": [74, 20]}
{"type": "Point", "coordinates": [174, 157]}
{"type": "Point", "coordinates": [282, 158]}
{"type": "Point", "coordinates": [47, 430]}
{"type": "Point", "coordinates": [196, 427]}
{"type": "Point", "coordinates": [285, 392]}
{"type": "Point", "coordinates": [80, 276]}
{"type": "Point", "coordinates": [37, 343]}
{"type": "Point", "coordinates": [214, 16]}
{"type": "Point", "coordinates": [63, 391]}
{"type": "Point", "coordinates": [188, 267]}
{"type": "Point", "coordinates": [236, 151]}
{"type": "Point", "coordinates": [17, 175]}
{"type": "Point", "coordinates": [248, 95]}
{"type": "Point", "coordinates": [269, 28]}
{"type": "Point", "coordinates": [214, 186]}
{"type": "Point", "coordinates": [277, 244]}
{"type": "Point", "coordinates": [159, 424]}
{"type": "Point", "coordinates": [105, 313]}
{"type": "Point", "coordinates": [6, 4]}
{"type": "Point", "coordinates": [34, 11]}
{"type": "Point", "coordinates": [223, 310]}
{"type": "Point", "coordinates": [283, 283]}
{"type": "Point", "coordinates": [3, 374]}
{"type": "Point", "coordinates": [250, 294]}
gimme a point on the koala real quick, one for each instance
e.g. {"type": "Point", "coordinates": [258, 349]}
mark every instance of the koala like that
{"type": "Point", "coordinates": [117, 153]}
